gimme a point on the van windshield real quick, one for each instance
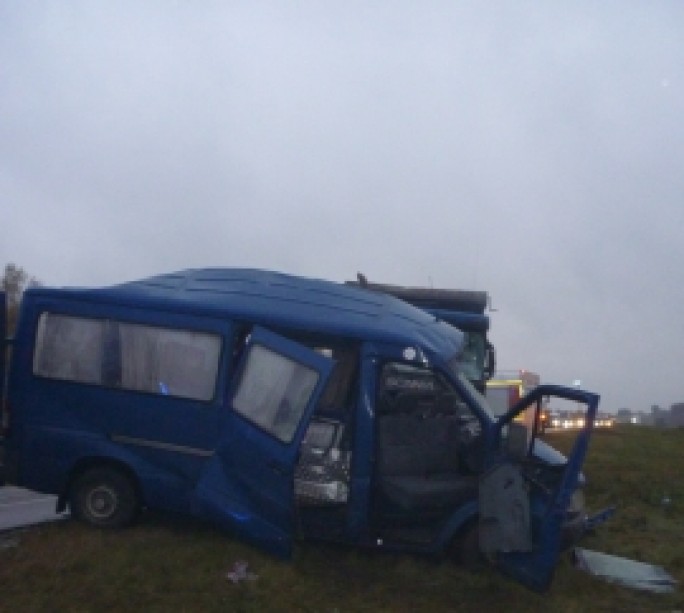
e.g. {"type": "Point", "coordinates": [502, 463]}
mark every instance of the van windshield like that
{"type": "Point", "coordinates": [472, 360]}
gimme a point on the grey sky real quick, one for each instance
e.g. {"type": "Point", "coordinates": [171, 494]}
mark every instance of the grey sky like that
{"type": "Point", "coordinates": [533, 150]}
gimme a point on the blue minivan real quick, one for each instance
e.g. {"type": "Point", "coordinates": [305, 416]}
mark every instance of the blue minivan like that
{"type": "Point", "coordinates": [281, 408]}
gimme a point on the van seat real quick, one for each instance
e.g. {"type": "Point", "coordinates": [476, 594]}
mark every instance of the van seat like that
{"type": "Point", "coordinates": [418, 494]}
{"type": "Point", "coordinates": [417, 464]}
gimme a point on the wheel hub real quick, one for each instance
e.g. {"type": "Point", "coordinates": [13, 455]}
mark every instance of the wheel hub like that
{"type": "Point", "coordinates": [102, 502]}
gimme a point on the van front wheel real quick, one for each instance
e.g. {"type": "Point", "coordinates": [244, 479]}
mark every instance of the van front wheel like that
{"type": "Point", "coordinates": [105, 498]}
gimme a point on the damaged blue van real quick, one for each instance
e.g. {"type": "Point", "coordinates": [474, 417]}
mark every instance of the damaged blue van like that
{"type": "Point", "coordinates": [281, 408]}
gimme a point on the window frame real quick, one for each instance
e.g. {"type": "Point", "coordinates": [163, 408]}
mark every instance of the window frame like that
{"type": "Point", "coordinates": [214, 354]}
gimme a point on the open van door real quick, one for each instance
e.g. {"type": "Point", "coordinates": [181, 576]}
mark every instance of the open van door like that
{"type": "Point", "coordinates": [523, 534]}
{"type": "Point", "coordinates": [248, 485]}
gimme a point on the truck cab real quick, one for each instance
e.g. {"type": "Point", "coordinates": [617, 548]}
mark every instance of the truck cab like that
{"type": "Point", "coordinates": [463, 309]}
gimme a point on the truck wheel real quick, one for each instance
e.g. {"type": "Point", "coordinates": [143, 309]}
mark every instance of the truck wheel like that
{"type": "Point", "coordinates": [105, 498]}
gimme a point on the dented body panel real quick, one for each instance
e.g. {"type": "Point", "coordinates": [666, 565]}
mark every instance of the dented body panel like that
{"type": "Point", "coordinates": [279, 408]}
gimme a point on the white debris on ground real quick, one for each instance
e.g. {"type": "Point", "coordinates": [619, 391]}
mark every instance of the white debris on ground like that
{"type": "Point", "coordinates": [239, 573]}
{"type": "Point", "coordinates": [624, 571]}
{"type": "Point", "coordinates": [20, 508]}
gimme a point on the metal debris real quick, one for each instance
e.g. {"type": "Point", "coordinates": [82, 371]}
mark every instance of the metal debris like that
{"type": "Point", "coordinates": [239, 573]}
{"type": "Point", "coordinates": [624, 571]}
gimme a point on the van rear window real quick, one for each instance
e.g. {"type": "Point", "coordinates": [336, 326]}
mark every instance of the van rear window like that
{"type": "Point", "coordinates": [181, 363]}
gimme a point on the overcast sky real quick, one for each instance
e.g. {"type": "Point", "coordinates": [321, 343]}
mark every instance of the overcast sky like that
{"type": "Point", "coordinates": [533, 150]}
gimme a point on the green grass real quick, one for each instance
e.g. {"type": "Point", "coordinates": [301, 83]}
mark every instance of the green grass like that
{"type": "Point", "coordinates": [165, 564]}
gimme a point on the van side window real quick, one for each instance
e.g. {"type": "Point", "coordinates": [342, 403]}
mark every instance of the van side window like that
{"type": "Point", "coordinates": [274, 391]}
{"type": "Point", "coordinates": [68, 348]}
{"type": "Point", "coordinates": [136, 357]}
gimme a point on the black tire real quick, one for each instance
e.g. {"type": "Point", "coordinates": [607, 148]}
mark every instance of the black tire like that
{"type": "Point", "coordinates": [104, 497]}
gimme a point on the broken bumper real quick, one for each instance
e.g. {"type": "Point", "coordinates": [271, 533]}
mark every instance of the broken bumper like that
{"type": "Point", "coordinates": [598, 518]}
{"type": "Point", "coordinates": [581, 523]}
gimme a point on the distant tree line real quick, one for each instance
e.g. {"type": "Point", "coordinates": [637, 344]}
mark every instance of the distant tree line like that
{"type": "Point", "coordinates": [14, 281]}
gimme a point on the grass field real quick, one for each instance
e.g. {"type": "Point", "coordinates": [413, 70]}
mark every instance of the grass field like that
{"type": "Point", "coordinates": [165, 564]}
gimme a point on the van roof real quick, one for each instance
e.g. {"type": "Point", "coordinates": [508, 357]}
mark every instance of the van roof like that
{"type": "Point", "coordinates": [283, 301]}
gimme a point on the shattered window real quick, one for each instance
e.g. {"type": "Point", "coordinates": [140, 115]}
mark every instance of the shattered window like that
{"type": "Point", "coordinates": [473, 355]}
{"type": "Point", "coordinates": [274, 391]}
